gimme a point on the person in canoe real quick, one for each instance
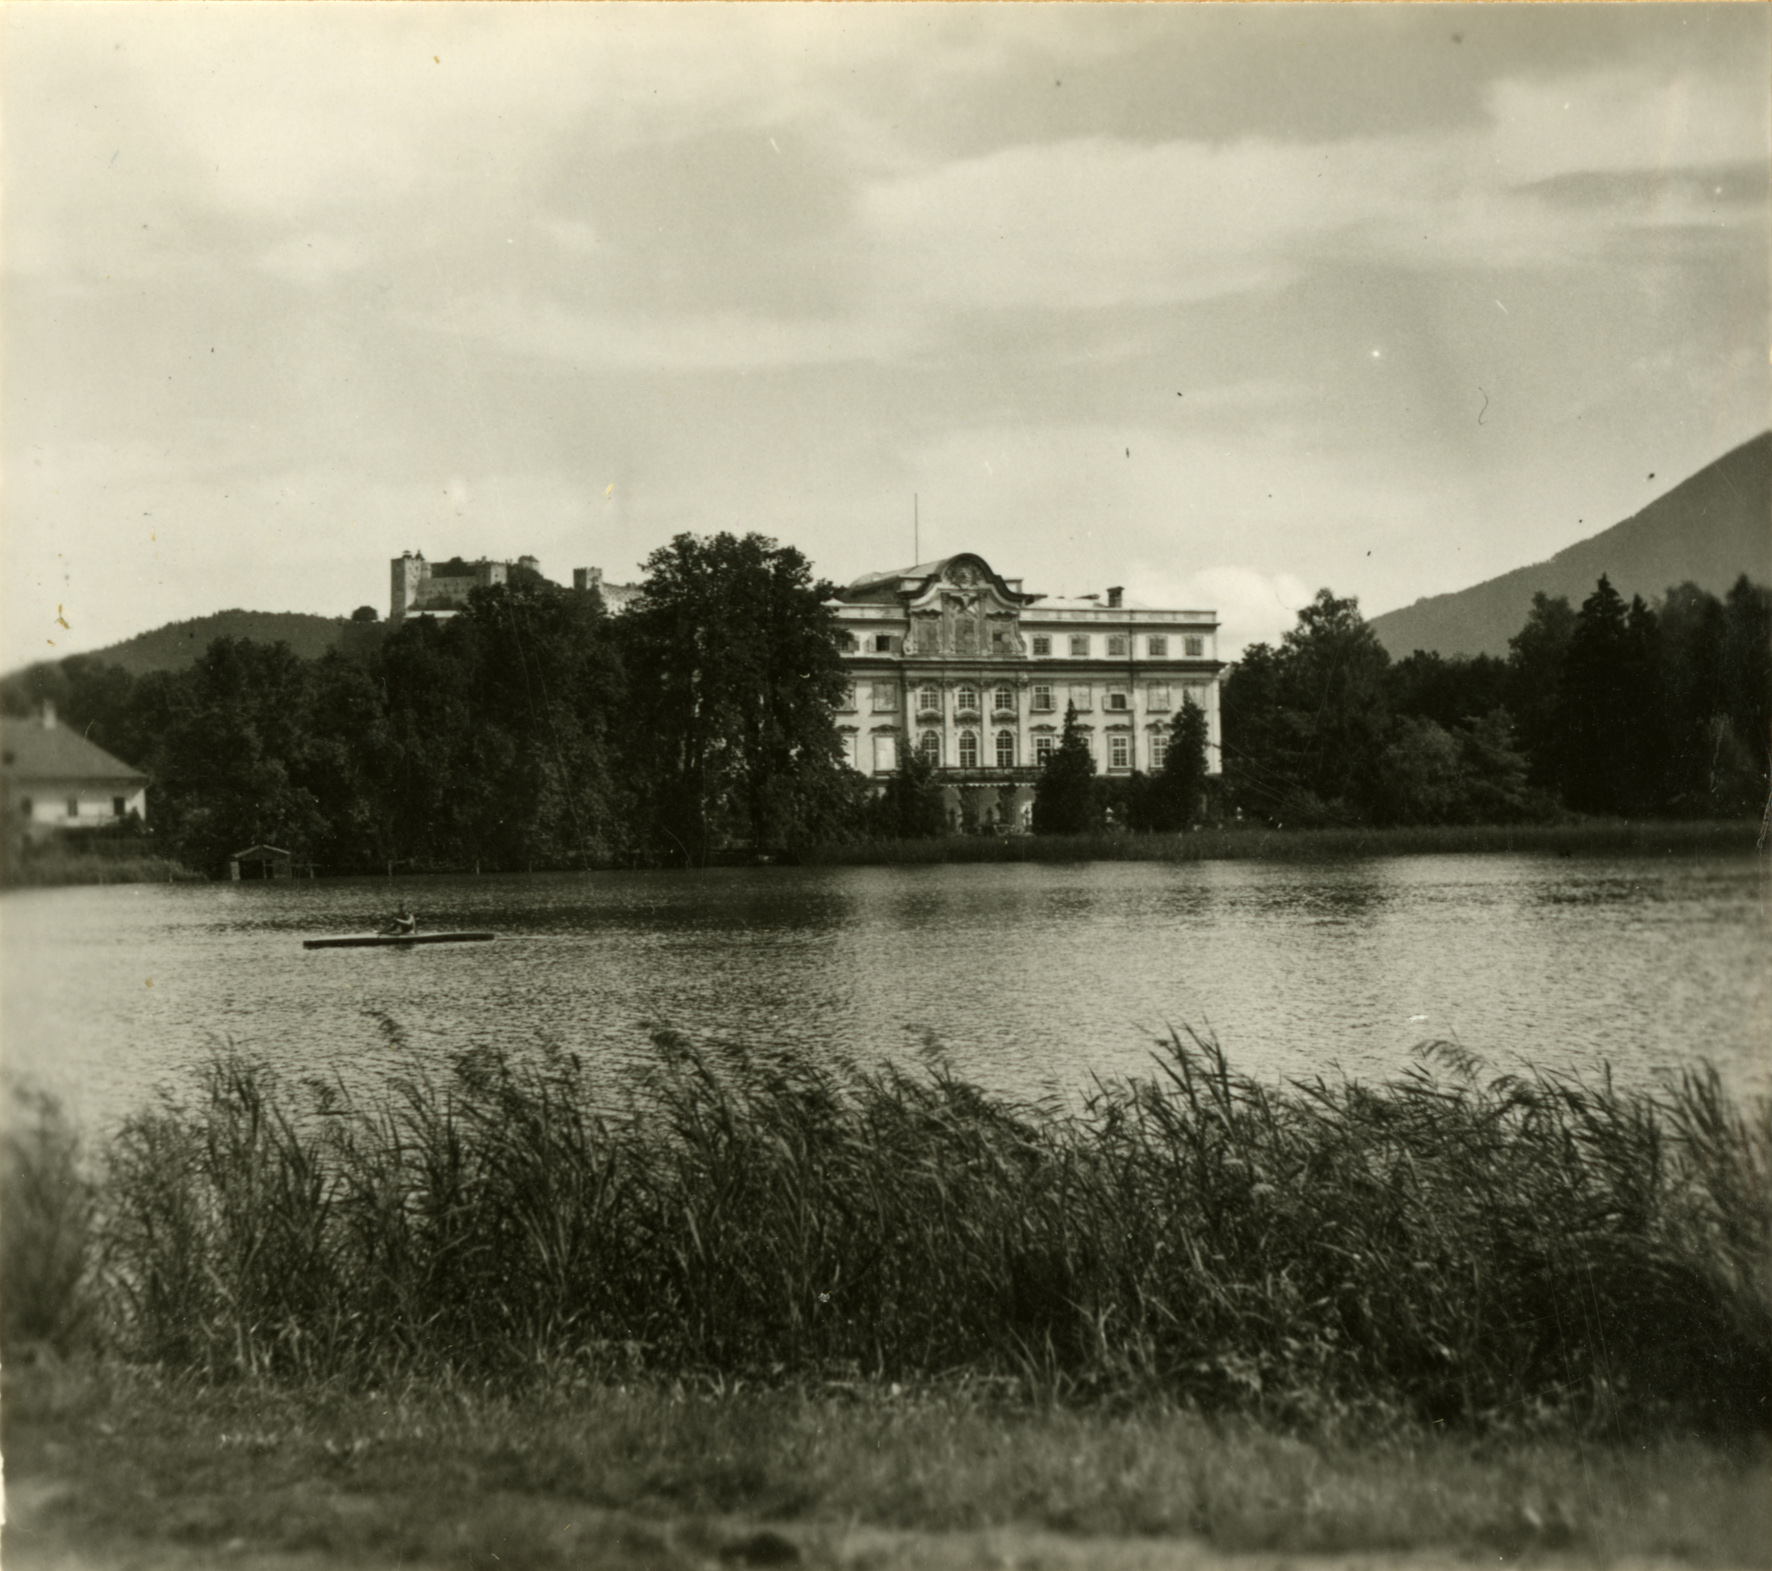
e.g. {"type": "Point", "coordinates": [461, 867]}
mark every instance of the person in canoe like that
{"type": "Point", "coordinates": [403, 925]}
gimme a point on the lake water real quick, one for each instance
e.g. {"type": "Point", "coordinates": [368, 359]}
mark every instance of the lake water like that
{"type": "Point", "coordinates": [1031, 977]}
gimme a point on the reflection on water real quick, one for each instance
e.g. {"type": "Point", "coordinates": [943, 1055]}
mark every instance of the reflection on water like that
{"type": "Point", "coordinates": [1031, 977]}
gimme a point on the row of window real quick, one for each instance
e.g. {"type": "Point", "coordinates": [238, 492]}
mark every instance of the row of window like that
{"type": "Point", "coordinates": [1042, 698]}
{"type": "Point", "coordinates": [1119, 645]}
{"type": "Point", "coordinates": [1119, 745]}
{"type": "Point", "coordinates": [1081, 645]}
{"type": "Point", "coordinates": [119, 806]}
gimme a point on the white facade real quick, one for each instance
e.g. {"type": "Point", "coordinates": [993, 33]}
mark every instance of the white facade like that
{"type": "Point", "coordinates": [953, 659]}
{"type": "Point", "coordinates": [52, 778]}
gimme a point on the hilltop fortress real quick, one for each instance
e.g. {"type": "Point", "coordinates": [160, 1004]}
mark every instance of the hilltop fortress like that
{"type": "Point", "coordinates": [417, 588]}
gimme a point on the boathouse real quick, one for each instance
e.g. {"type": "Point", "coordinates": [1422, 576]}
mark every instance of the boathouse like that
{"type": "Point", "coordinates": [260, 862]}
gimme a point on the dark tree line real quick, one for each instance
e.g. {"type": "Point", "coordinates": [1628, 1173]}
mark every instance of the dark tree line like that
{"type": "Point", "coordinates": [533, 730]}
{"type": "Point", "coordinates": [1636, 710]}
{"type": "Point", "coordinates": [530, 730]}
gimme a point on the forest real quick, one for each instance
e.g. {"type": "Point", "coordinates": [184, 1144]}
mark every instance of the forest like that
{"type": "Point", "coordinates": [535, 731]}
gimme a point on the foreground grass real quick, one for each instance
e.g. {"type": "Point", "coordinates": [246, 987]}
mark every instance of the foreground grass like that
{"type": "Point", "coordinates": [752, 1308]}
{"type": "Point", "coordinates": [104, 1464]}
{"type": "Point", "coordinates": [1252, 843]}
{"type": "Point", "coordinates": [1503, 1255]}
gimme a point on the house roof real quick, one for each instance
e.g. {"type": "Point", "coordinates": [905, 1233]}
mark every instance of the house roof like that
{"type": "Point", "coordinates": [32, 751]}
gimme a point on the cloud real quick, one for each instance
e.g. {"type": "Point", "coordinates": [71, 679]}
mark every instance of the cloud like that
{"type": "Point", "coordinates": [671, 343]}
{"type": "Point", "coordinates": [1096, 222]}
{"type": "Point", "coordinates": [1253, 607]}
{"type": "Point", "coordinates": [312, 259]}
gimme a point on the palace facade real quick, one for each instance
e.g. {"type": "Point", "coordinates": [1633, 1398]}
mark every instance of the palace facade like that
{"type": "Point", "coordinates": [960, 663]}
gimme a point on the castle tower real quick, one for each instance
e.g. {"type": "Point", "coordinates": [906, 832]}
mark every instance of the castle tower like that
{"type": "Point", "coordinates": [407, 574]}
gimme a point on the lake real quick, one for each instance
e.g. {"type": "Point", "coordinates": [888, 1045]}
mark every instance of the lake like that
{"type": "Point", "coordinates": [1031, 977]}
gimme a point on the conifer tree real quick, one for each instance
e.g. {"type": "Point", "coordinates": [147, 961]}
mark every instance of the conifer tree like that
{"type": "Point", "coordinates": [1179, 786]}
{"type": "Point", "coordinates": [1064, 793]}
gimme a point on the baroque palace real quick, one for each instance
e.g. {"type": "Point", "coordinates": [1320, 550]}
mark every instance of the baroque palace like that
{"type": "Point", "coordinates": [958, 662]}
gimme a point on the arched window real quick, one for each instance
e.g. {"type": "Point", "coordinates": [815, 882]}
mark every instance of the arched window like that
{"type": "Point", "coordinates": [1003, 700]}
{"type": "Point", "coordinates": [969, 750]}
{"type": "Point", "coordinates": [929, 747]}
{"type": "Point", "coordinates": [1005, 749]}
{"type": "Point", "coordinates": [929, 699]}
{"type": "Point", "coordinates": [966, 701]}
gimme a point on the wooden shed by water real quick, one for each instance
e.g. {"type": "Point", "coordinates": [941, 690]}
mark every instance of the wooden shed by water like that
{"type": "Point", "coordinates": [261, 862]}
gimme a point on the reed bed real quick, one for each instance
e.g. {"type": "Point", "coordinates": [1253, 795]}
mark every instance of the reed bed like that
{"type": "Point", "coordinates": [1516, 1252]}
{"type": "Point", "coordinates": [50, 871]}
{"type": "Point", "coordinates": [1253, 842]}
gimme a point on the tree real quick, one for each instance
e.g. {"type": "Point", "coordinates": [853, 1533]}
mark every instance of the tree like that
{"type": "Point", "coordinates": [1063, 795]}
{"type": "Point", "coordinates": [365, 613]}
{"type": "Point", "coordinates": [1304, 725]}
{"type": "Point", "coordinates": [1177, 789]}
{"type": "Point", "coordinates": [736, 679]}
{"type": "Point", "coordinates": [911, 806]}
{"type": "Point", "coordinates": [234, 748]}
{"type": "Point", "coordinates": [1446, 690]}
{"type": "Point", "coordinates": [1690, 693]}
{"type": "Point", "coordinates": [1534, 688]}
{"type": "Point", "coordinates": [1747, 682]}
{"type": "Point", "coordinates": [1607, 712]}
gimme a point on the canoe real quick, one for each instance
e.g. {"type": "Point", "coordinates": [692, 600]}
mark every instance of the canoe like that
{"type": "Point", "coordinates": [397, 940]}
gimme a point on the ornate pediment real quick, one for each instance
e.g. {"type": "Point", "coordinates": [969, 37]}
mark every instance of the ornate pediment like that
{"type": "Point", "coordinates": [965, 611]}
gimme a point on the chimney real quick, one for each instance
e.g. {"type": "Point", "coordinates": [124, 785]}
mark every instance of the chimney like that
{"type": "Point", "coordinates": [49, 714]}
{"type": "Point", "coordinates": [1114, 593]}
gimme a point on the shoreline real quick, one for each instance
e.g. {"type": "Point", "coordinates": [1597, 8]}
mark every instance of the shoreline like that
{"type": "Point", "coordinates": [76, 872]}
{"type": "Point", "coordinates": [1652, 837]}
{"type": "Point", "coordinates": [1646, 836]}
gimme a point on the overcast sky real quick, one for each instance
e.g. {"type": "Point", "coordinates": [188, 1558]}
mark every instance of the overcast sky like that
{"type": "Point", "coordinates": [1221, 303]}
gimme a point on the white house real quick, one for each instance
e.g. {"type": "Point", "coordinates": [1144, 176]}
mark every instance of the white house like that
{"type": "Point", "coordinates": [52, 778]}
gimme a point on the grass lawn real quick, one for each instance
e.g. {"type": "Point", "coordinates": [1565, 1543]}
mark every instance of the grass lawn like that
{"type": "Point", "coordinates": [110, 1467]}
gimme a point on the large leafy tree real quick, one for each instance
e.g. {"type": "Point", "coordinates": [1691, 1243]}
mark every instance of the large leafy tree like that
{"type": "Point", "coordinates": [736, 676]}
{"type": "Point", "coordinates": [233, 753]}
{"type": "Point", "coordinates": [496, 746]}
{"type": "Point", "coordinates": [1305, 724]}
{"type": "Point", "coordinates": [1064, 795]}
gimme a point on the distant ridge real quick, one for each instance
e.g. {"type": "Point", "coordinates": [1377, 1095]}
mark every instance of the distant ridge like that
{"type": "Point", "coordinates": [178, 644]}
{"type": "Point", "coordinates": [1710, 529]}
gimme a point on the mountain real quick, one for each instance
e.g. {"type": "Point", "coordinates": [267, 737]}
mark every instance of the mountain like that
{"type": "Point", "coordinates": [1710, 529]}
{"type": "Point", "coordinates": [178, 644]}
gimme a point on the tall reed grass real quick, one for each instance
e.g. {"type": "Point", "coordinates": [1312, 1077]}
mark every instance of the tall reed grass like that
{"type": "Point", "coordinates": [1448, 1247]}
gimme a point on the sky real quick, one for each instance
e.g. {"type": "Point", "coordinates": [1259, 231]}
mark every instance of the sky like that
{"type": "Point", "coordinates": [1224, 304]}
